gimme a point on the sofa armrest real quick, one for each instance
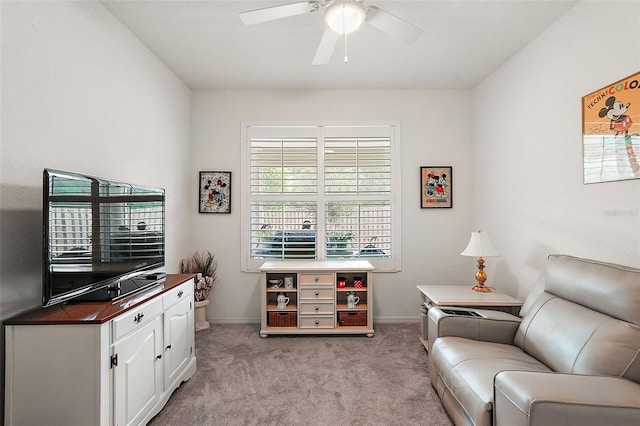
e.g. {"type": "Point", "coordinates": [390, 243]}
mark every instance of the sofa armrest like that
{"type": "Point", "coordinates": [534, 398]}
{"type": "Point", "coordinates": [491, 326]}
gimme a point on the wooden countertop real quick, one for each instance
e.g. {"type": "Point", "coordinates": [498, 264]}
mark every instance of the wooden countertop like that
{"type": "Point", "coordinates": [94, 312]}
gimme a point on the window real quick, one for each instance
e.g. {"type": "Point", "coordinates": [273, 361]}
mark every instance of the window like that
{"type": "Point", "coordinates": [321, 192]}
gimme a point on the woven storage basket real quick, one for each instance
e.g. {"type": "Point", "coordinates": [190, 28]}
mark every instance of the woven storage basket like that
{"type": "Point", "coordinates": [283, 319]}
{"type": "Point", "coordinates": [352, 318]}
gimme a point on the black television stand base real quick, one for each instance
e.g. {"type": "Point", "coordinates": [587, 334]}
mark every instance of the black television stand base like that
{"type": "Point", "coordinates": [122, 288]}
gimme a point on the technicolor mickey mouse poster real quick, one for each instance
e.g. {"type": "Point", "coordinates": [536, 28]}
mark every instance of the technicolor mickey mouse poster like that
{"type": "Point", "coordinates": [611, 131]}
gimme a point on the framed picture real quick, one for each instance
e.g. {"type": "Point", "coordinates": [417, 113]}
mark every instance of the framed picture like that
{"type": "Point", "coordinates": [436, 187]}
{"type": "Point", "coordinates": [215, 192]}
{"type": "Point", "coordinates": [611, 132]}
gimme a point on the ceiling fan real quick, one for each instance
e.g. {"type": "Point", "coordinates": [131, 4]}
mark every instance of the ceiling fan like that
{"type": "Point", "coordinates": [342, 17]}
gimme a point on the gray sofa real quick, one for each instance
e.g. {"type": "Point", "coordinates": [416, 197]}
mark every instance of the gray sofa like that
{"type": "Point", "coordinates": [572, 358]}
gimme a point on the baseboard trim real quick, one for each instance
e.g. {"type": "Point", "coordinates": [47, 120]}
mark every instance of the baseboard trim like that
{"type": "Point", "coordinates": [389, 320]}
{"type": "Point", "coordinates": [381, 320]}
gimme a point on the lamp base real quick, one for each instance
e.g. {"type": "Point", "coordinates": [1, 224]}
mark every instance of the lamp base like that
{"type": "Point", "coordinates": [481, 288]}
{"type": "Point", "coordinates": [481, 277]}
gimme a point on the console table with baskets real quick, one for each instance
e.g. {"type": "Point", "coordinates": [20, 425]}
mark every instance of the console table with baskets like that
{"type": "Point", "coordinates": [317, 297]}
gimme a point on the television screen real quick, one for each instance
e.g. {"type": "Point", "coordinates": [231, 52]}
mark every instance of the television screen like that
{"type": "Point", "coordinates": [99, 236]}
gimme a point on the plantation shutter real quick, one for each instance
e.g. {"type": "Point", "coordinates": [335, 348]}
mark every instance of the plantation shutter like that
{"type": "Point", "coordinates": [282, 171]}
{"type": "Point", "coordinates": [358, 221]}
{"type": "Point", "coordinates": [357, 165]}
{"type": "Point", "coordinates": [321, 192]}
{"type": "Point", "coordinates": [284, 166]}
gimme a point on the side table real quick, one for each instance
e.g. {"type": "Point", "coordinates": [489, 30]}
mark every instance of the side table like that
{"type": "Point", "coordinates": [461, 296]}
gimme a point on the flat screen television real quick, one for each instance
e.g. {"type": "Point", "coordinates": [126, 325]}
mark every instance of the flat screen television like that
{"type": "Point", "coordinates": [101, 237]}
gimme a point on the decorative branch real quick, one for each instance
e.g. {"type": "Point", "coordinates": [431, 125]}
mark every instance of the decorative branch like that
{"type": "Point", "coordinates": [204, 266]}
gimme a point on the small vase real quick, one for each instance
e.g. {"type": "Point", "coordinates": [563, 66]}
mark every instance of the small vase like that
{"type": "Point", "coordinates": [201, 321]}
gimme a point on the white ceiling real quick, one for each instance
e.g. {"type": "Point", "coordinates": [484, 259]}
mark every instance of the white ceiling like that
{"type": "Point", "coordinates": [208, 47]}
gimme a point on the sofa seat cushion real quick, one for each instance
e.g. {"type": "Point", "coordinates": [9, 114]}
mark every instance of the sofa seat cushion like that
{"type": "Point", "coordinates": [466, 368]}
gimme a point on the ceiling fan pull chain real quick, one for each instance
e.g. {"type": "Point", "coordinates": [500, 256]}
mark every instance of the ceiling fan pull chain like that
{"type": "Point", "coordinates": [346, 58]}
{"type": "Point", "coordinates": [344, 34]}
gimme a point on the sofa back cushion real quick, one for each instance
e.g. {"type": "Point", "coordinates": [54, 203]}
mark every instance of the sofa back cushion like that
{"type": "Point", "coordinates": [574, 329]}
{"type": "Point", "coordinates": [605, 287]}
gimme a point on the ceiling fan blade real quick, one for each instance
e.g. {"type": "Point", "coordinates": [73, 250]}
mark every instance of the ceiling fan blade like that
{"type": "Point", "coordinates": [392, 25]}
{"type": "Point", "coordinates": [327, 46]}
{"type": "Point", "coordinates": [276, 12]}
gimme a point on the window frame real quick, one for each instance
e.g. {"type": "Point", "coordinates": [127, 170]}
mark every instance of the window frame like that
{"type": "Point", "coordinates": [323, 129]}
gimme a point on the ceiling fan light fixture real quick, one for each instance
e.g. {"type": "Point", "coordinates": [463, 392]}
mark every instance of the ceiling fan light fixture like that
{"type": "Point", "coordinates": [345, 16]}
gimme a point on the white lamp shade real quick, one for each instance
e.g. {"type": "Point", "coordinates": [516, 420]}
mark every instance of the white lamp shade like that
{"type": "Point", "coordinates": [480, 246]}
{"type": "Point", "coordinates": [345, 16]}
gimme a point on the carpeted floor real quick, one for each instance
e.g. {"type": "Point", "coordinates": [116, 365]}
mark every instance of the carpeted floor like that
{"type": "Point", "coordinates": [242, 379]}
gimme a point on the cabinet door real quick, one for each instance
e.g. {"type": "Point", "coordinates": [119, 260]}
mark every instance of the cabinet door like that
{"type": "Point", "coordinates": [178, 340]}
{"type": "Point", "coordinates": [138, 373]}
{"type": "Point", "coordinates": [57, 374]}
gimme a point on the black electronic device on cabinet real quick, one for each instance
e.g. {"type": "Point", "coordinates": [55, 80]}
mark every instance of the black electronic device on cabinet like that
{"type": "Point", "coordinates": [99, 237]}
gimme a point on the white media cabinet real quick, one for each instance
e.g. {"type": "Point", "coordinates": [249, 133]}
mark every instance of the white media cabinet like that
{"type": "Point", "coordinates": [317, 301]}
{"type": "Point", "coordinates": [100, 363]}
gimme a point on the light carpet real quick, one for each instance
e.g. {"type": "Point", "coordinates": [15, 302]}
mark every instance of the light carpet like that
{"type": "Point", "coordinates": [243, 379]}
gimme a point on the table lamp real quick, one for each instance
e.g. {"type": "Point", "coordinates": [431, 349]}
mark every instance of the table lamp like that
{"type": "Point", "coordinates": [480, 246]}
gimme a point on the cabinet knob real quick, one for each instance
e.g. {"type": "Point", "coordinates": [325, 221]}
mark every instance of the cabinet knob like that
{"type": "Point", "coordinates": [138, 317]}
{"type": "Point", "coordinates": [317, 322]}
{"type": "Point", "coordinates": [317, 293]}
{"type": "Point", "coordinates": [167, 348]}
{"type": "Point", "coordinates": [180, 293]}
{"type": "Point", "coordinates": [316, 279]}
{"type": "Point", "coordinates": [317, 308]}
{"type": "Point", "coordinates": [159, 356]}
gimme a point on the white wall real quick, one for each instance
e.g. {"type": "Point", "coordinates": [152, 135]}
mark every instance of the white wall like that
{"type": "Point", "coordinates": [528, 153]}
{"type": "Point", "coordinates": [436, 130]}
{"type": "Point", "coordinates": [81, 93]}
